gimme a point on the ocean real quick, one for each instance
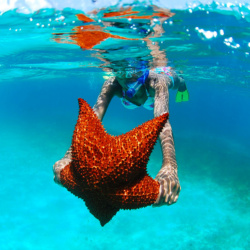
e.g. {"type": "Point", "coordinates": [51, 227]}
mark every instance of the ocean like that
{"type": "Point", "coordinates": [41, 79]}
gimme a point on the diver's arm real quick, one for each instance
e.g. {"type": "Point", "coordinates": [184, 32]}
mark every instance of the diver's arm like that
{"type": "Point", "coordinates": [167, 176]}
{"type": "Point", "coordinates": [108, 90]}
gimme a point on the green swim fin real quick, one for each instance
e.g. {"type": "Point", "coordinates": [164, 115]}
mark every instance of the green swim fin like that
{"type": "Point", "coordinates": [182, 94]}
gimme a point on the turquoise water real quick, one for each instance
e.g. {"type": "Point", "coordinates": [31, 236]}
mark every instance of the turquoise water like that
{"type": "Point", "coordinates": [40, 81]}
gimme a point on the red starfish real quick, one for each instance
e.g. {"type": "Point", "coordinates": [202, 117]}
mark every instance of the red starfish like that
{"type": "Point", "coordinates": [109, 172]}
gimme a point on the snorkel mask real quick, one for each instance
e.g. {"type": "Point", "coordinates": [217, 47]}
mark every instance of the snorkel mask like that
{"type": "Point", "coordinates": [129, 68]}
{"type": "Point", "coordinates": [127, 72]}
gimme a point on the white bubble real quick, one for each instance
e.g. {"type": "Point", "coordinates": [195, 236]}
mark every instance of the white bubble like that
{"type": "Point", "coordinates": [31, 19]}
{"type": "Point", "coordinates": [222, 32]}
{"type": "Point", "coordinates": [61, 18]}
{"type": "Point", "coordinates": [206, 34]}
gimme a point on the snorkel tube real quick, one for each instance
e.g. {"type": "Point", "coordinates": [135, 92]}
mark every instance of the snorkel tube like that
{"type": "Point", "coordinates": [134, 87]}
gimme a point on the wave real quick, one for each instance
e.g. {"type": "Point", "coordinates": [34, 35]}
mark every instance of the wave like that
{"type": "Point", "coordinates": [240, 10]}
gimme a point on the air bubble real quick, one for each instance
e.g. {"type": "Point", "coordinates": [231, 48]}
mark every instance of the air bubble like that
{"type": "Point", "coordinates": [206, 34]}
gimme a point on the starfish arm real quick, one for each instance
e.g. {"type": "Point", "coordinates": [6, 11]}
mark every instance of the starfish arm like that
{"type": "Point", "coordinates": [95, 202]}
{"type": "Point", "coordinates": [99, 206]}
{"type": "Point", "coordinates": [89, 143]}
{"type": "Point", "coordinates": [140, 194]}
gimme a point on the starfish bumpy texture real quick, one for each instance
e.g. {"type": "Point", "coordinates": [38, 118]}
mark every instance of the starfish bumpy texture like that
{"type": "Point", "coordinates": [109, 172]}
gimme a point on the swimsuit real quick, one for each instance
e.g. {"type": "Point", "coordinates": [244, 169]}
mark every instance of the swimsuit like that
{"type": "Point", "coordinates": [148, 104]}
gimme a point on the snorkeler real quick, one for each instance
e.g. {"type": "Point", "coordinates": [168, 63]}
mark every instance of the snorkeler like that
{"type": "Point", "coordinates": [137, 86]}
{"type": "Point", "coordinates": [134, 84]}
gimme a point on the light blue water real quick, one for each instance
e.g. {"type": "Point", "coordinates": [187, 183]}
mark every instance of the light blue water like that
{"type": "Point", "coordinates": [40, 81]}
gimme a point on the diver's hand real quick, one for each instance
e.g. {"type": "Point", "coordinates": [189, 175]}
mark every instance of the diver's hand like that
{"type": "Point", "coordinates": [61, 164]}
{"type": "Point", "coordinates": [169, 187]}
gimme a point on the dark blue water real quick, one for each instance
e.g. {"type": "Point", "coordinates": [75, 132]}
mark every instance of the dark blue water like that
{"type": "Point", "coordinates": [40, 82]}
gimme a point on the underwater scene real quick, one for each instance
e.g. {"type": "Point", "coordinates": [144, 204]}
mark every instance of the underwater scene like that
{"type": "Point", "coordinates": [55, 52]}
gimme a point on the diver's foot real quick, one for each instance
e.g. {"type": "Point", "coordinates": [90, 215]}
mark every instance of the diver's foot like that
{"type": "Point", "coordinates": [182, 87]}
{"type": "Point", "coordinates": [182, 94]}
{"type": "Point", "coordinates": [61, 164]}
